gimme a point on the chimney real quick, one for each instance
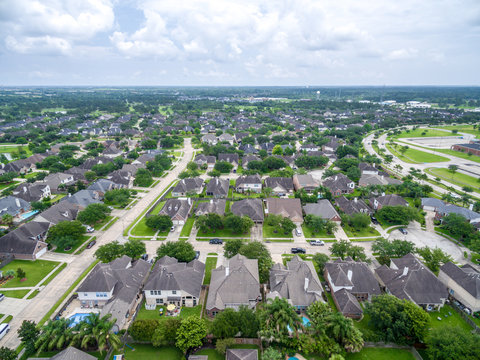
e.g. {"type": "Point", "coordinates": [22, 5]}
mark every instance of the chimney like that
{"type": "Point", "coordinates": [24, 189]}
{"type": "Point", "coordinates": [227, 271]}
{"type": "Point", "coordinates": [383, 194]}
{"type": "Point", "coordinates": [405, 271]}
{"type": "Point", "coordinates": [470, 207]}
{"type": "Point", "coordinates": [349, 275]}
{"type": "Point", "coordinates": [189, 201]}
{"type": "Point", "coordinates": [355, 200]}
{"type": "Point", "coordinates": [336, 177]}
{"type": "Point", "coordinates": [211, 201]}
{"type": "Point", "coordinates": [17, 202]}
{"type": "Point", "coordinates": [305, 287]}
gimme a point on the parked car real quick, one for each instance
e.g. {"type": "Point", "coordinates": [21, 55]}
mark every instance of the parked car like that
{"type": "Point", "coordinates": [298, 232]}
{"type": "Point", "coordinates": [317, 243]}
{"type": "Point", "coordinates": [4, 329]}
{"type": "Point", "coordinates": [144, 257]}
{"type": "Point", "coordinates": [89, 229]}
{"type": "Point", "coordinates": [216, 241]}
{"type": "Point", "coordinates": [374, 220]}
{"type": "Point", "coordinates": [91, 244]}
{"type": "Point", "coordinates": [172, 228]}
{"type": "Point", "coordinates": [68, 248]}
{"type": "Point", "coordinates": [298, 251]}
{"type": "Point", "coordinates": [197, 254]}
{"type": "Point", "coordinates": [403, 231]}
{"type": "Point", "coordinates": [2, 297]}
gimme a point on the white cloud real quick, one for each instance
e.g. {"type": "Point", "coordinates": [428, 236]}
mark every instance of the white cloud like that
{"type": "Point", "coordinates": [402, 54]}
{"type": "Point", "coordinates": [52, 26]}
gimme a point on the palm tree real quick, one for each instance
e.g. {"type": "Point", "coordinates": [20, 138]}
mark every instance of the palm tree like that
{"type": "Point", "coordinates": [278, 318]}
{"type": "Point", "coordinates": [343, 331]}
{"type": "Point", "coordinates": [55, 335]}
{"type": "Point", "coordinates": [466, 199]}
{"type": "Point", "coordinates": [96, 330]}
{"type": "Point", "coordinates": [447, 197]}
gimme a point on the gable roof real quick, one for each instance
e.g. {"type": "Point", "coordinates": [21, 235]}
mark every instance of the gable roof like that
{"type": "Point", "coordinates": [231, 158]}
{"type": "Point", "coordinates": [216, 206]}
{"type": "Point", "coordinates": [390, 200]}
{"type": "Point", "coordinates": [12, 205]}
{"type": "Point", "coordinates": [279, 182]}
{"type": "Point", "coordinates": [337, 182]}
{"type": "Point", "coordinates": [322, 208]}
{"type": "Point", "coordinates": [23, 240]}
{"type": "Point", "coordinates": [242, 354]}
{"type": "Point", "coordinates": [176, 208]}
{"type": "Point", "coordinates": [305, 180]}
{"type": "Point", "coordinates": [466, 277]}
{"type": "Point", "coordinates": [188, 185]}
{"type": "Point", "coordinates": [83, 198]}
{"type": "Point", "coordinates": [218, 187]}
{"type": "Point", "coordinates": [174, 275]}
{"type": "Point", "coordinates": [351, 207]}
{"type": "Point", "coordinates": [62, 211]}
{"type": "Point", "coordinates": [252, 208]}
{"type": "Point", "coordinates": [347, 303]}
{"type": "Point", "coordinates": [71, 353]}
{"type": "Point", "coordinates": [248, 179]}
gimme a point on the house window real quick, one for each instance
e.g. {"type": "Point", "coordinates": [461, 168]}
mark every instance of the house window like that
{"type": "Point", "coordinates": [174, 292]}
{"type": "Point", "coordinates": [152, 292]}
{"type": "Point", "coordinates": [159, 301]}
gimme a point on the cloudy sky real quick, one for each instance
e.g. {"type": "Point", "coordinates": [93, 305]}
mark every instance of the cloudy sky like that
{"type": "Point", "coordinates": [239, 42]}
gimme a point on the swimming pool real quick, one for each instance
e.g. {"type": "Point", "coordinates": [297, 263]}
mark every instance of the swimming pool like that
{"type": "Point", "coordinates": [293, 358]}
{"type": "Point", "coordinates": [305, 321]}
{"type": "Point", "coordinates": [26, 215]}
{"type": "Point", "coordinates": [77, 318]}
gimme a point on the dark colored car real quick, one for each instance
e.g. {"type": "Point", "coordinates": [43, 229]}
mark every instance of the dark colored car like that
{"type": "Point", "coordinates": [91, 244]}
{"type": "Point", "coordinates": [216, 241]}
{"type": "Point", "coordinates": [197, 254]}
{"type": "Point", "coordinates": [374, 220]}
{"type": "Point", "coordinates": [298, 251]}
{"type": "Point", "coordinates": [144, 257]}
{"type": "Point", "coordinates": [403, 231]}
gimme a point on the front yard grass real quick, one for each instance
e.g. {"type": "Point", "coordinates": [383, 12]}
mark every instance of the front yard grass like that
{"type": "Point", "coordinates": [269, 232]}
{"type": "Point", "coordinates": [187, 228]}
{"type": "Point", "coordinates": [102, 223]}
{"type": "Point", "coordinates": [141, 229]}
{"type": "Point", "coordinates": [35, 271]}
{"type": "Point", "coordinates": [210, 264]}
{"type": "Point", "coordinates": [157, 208]}
{"type": "Point", "coordinates": [75, 246]}
{"type": "Point", "coordinates": [367, 232]}
{"type": "Point", "coordinates": [308, 232]}
{"type": "Point", "coordinates": [451, 320]}
{"type": "Point", "coordinates": [18, 294]}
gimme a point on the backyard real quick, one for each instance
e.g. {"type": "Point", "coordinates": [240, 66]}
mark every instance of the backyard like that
{"type": "Point", "coordinates": [380, 354]}
{"type": "Point", "coordinates": [449, 318]}
{"type": "Point", "coordinates": [148, 352]}
{"type": "Point", "coordinates": [154, 314]}
{"type": "Point", "coordinates": [210, 264]}
{"type": "Point", "coordinates": [35, 271]}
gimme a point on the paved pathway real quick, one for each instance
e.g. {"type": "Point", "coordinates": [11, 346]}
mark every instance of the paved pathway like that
{"type": "Point", "coordinates": [55, 289]}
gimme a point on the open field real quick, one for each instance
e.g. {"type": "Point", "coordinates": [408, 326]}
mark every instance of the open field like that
{"type": "Point", "coordinates": [415, 156]}
{"type": "Point", "coordinates": [463, 129]}
{"type": "Point", "coordinates": [426, 133]}
{"type": "Point", "coordinates": [458, 178]}
{"type": "Point", "coordinates": [35, 271]}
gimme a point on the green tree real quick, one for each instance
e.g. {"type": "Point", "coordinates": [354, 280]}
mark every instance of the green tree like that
{"type": "Point", "coordinates": [398, 215]}
{"type": "Point", "coordinates": [272, 354]}
{"type": "Point", "coordinates": [21, 273]}
{"type": "Point", "coordinates": [448, 343]}
{"type": "Point", "coordinates": [28, 334]}
{"type": "Point", "coordinates": [159, 222]}
{"type": "Point", "coordinates": [109, 252]}
{"type": "Point", "coordinates": [225, 324]}
{"type": "Point", "coordinates": [357, 252]}
{"type": "Point", "coordinates": [66, 229]}
{"type": "Point", "coordinates": [7, 219]}
{"type": "Point", "coordinates": [143, 178]}
{"type": "Point", "coordinates": [143, 329]}
{"type": "Point", "coordinates": [223, 166]}
{"type": "Point", "coordinates": [223, 344]}
{"type": "Point", "coordinates": [166, 332]}
{"type": "Point", "coordinates": [54, 335]}
{"type": "Point", "coordinates": [287, 225]}
{"type": "Point", "coordinates": [7, 354]}
{"type": "Point", "coordinates": [238, 224]}
{"type": "Point", "coordinates": [340, 248]}
{"type": "Point", "coordinates": [258, 250]}
{"type": "Point", "coordinates": [316, 223]}
{"type": "Point", "coordinates": [452, 169]}
{"type": "Point", "coordinates": [277, 150]}
{"type": "Point", "coordinates": [248, 323]}
{"type": "Point", "coordinates": [360, 221]}
{"type": "Point", "coordinates": [191, 333]}
{"type": "Point", "coordinates": [277, 316]}
{"type": "Point", "coordinates": [93, 213]}
{"type": "Point", "coordinates": [320, 260]}
{"type": "Point", "coordinates": [273, 220]}
{"type": "Point", "coordinates": [434, 258]}
{"type": "Point", "coordinates": [209, 222]}
{"type": "Point", "coordinates": [181, 250]}
{"type": "Point", "coordinates": [134, 248]}
{"type": "Point", "coordinates": [90, 176]}
{"type": "Point", "coordinates": [232, 247]}
{"type": "Point", "coordinates": [98, 331]}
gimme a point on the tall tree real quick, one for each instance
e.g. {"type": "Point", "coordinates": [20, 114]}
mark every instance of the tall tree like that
{"type": "Point", "coordinates": [191, 333]}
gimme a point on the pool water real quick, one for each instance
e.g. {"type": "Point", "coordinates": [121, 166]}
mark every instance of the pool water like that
{"type": "Point", "coordinates": [292, 358]}
{"type": "Point", "coordinates": [305, 321]}
{"type": "Point", "coordinates": [77, 318]}
{"type": "Point", "coordinates": [28, 214]}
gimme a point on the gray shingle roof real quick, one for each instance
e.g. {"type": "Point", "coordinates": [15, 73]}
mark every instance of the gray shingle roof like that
{"type": "Point", "coordinates": [72, 353]}
{"type": "Point", "coordinates": [62, 211]}
{"type": "Point", "coordinates": [347, 303]}
{"type": "Point", "coordinates": [362, 279]}
{"type": "Point", "coordinates": [178, 208]}
{"type": "Point", "coordinates": [467, 277]}
{"type": "Point", "coordinates": [252, 208]}
{"type": "Point", "coordinates": [242, 354]}
{"type": "Point", "coordinates": [218, 187]}
{"type": "Point", "coordinates": [290, 208]}
{"type": "Point", "coordinates": [23, 240]}
{"type": "Point", "coordinates": [216, 206]}
{"type": "Point", "coordinates": [13, 205]}
{"type": "Point", "coordinates": [248, 179]}
{"type": "Point", "coordinates": [279, 182]}
{"type": "Point", "coordinates": [83, 198]}
{"type": "Point", "coordinates": [188, 185]}
{"type": "Point", "coordinates": [337, 182]}
{"type": "Point", "coordinates": [322, 208]}
{"type": "Point", "coordinates": [351, 207]}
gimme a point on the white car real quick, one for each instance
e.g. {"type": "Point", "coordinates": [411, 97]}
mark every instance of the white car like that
{"type": "Point", "coordinates": [317, 243]}
{"type": "Point", "coordinates": [298, 232]}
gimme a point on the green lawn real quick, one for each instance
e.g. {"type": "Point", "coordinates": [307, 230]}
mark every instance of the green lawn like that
{"type": "Point", "coordinates": [154, 314]}
{"type": "Point", "coordinates": [210, 264]}
{"type": "Point", "coordinates": [149, 352]}
{"type": "Point", "coordinates": [18, 294]}
{"type": "Point", "coordinates": [33, 294]}
{"type": "Point", "coordinates": [463, 128]}
{"type": "Point", "coordinates": [141, 229]}
{"type": "Point", "coordinates": [75, 246]}
{"type": "Point", "coordinates": [414, 156]}
{"type": "Point", "coordinates": [238, 196]}
{"type": "Point", "coordinates": [11, 183]}
{"type": "Point", "coordinates": [35, 271]}
{"type": "Point", "coordinates": [7, 319]}
{"type": "Point", "coordinates": [380, 354]}
{"type": "Point", "coordinates": [211, 353]}
{"type": "Point", "coordinates": [451, 320]}
{"type": "Point", "coordinates": [458, 178]}
{"type": "Point", "coordinates": [369, 231]}
{"type": "Point", "coordinates": [187, 228]}
{"type": "Point", "coordinates": [308, 232]}
{"type": "Point", "coordinates": [428, 133]}
{"type": "Point", "coordinates": [453, 153]}
{"type": "Point", "coordinates": [268, 232]}
{"type": "Point", "coordinates": [102, 223]}
{"type": "Point", "coordinates": [157, 208]}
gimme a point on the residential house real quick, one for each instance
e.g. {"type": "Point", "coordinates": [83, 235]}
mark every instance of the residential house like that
{"type": "Point", "coordinates": [214, 206]}
{"type": "Point", "coordinates": [26, 242]}
{"type": "Point", "coordinates": [339, 184]}
{"type": "Point", "coordinates": [331, 146]}
{"type": "Point", "coordinates": [367, 169]}
{"type": "Point", "coordinates": [377, 179]}
{"type": "Point", "coordinates": [13, 206]}
{"type": "Point", "coordinates": [247, 158]}
{"type": "Point", "coordinates": [62, 211]}
{"type": "Point", "coordinates": [230, 158]}
{"type": "Point", "coordinates": [234, 285]}
{"type": "Point", "coordinates": [188, 186]}
{"type": "Point", "coordinates": [289, 208]}
{"type": "Point", "coordinates": [249, 183]}
{"type": "Point", "coordinates": [218, 188]}
{"type": "Point", "coordinates": [101, 186]}
{"type": "Point", "coordinates": [210, 139]}
{"type": "Point", "coordinates": [251, 208]}
{"type": "Point", "coordinates": [432, 204]}
{"type": "Point", "coordinates": [350, 282]}
{"type": "Point", "coordinates": [241, 354]}
{"type": "Point", "coordinates": [32, 192]}
{"type": "Point", "coordinates": [387, 200]}
{"type": "Point", "coordinates": [90, 163]}
{"type": "Point", "coordinates": [115, 288]}
{"type": "Point", "coordinates": [20, 166]}
{"type": "Point", "coordinates": [177, 209]}
{"type": "Point", "coordinates": [305, 182]}
{"type": "Point", "coordinates": [268, 147]}
{"type": "Point", "coordinates": [225, 137]}
{"type": "Point", "coordinates": [248, 149]}
{"type": "Point", "coordinates": [83, 198]}
{"type": "Point", "coordinates": [123, 179]}
{"type": "Point", "coordinates": [201, 159]}
{"type": "Point", "coordinates": [309, 147]}
{"type": "Point", "coordinates": [173, 282]}
{"type": "Point", "coordinates": [70, 353]}
{"type": "Point", "coordinates": [351, 207]}
{"type": "Point", "coordinates": [240, 135]}
{"type": "Point", "coordinates": [297, 282]}
{"type": "Point", "coordinates": [78, 174]}
{"type": "Point", "coordinates": [281, 186]}
{"type": "Point", "coordinates": [57, 181]}
{"type": "Point", "coordinates": [322, 208]}
{"type": "Point", "coordinates": [407, 278]}
{"type": "Point", "coordinates": [463, 284]}
{"type": "Point", "coordinates": [442, 209]}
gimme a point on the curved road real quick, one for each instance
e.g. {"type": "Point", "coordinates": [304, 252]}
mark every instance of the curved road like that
{"type": "Point", "coordinates": [77, 264]}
